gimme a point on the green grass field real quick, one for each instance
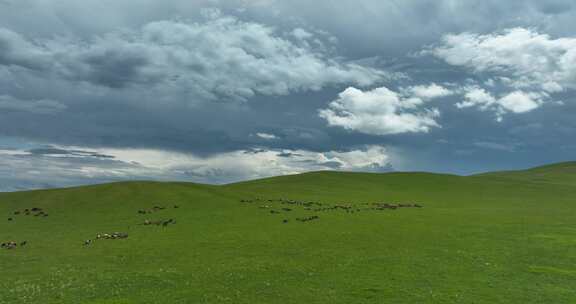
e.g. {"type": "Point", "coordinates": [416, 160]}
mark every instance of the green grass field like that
{"type": "Point", "coordinates": [505, 237]}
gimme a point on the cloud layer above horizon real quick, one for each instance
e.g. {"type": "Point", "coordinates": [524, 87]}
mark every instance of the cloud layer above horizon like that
{"type": "Point", "coordinates": [222, 91]}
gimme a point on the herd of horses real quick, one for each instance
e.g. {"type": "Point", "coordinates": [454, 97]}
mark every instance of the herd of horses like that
{"type": "Point", "coordinates": [34, 212]}
{"type": "Point", "coordinates": [316, 207]}
{"type": "Point", "coordinates": [274, 206]}
{"type": "Point", "coordinates": [146, 222]}
{"type": "Point", "coordinates": [155, 209]}
{"type": "Point", "coordinates": [163, 223]}
{"type": "Point", "coordinates": [39, 212]}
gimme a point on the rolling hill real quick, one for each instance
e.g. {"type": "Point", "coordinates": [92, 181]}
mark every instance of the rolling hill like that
{"type": "Point", "coordinates": [560, 173]}
{"type": "Point", "coordinates": [319, 237]}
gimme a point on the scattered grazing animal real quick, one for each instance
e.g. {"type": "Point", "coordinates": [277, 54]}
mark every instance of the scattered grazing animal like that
{"type": "Point", "coordinates": [108, 236]}
{"type": "Point", "coordinates": [119, 235]}
{"type": "Point", "coordinates": [155, 209]}
{"type": "Point", "coordinates": [33, 211]}
{"type": "Point", "coordinates": [163, 223]}
{"type": "Point", "coordinates": [9, 245]}
{"type": "Point", "coordinates": [307, 219]}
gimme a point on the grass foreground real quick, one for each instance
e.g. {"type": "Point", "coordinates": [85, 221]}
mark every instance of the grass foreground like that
{"type": "Point", "coordinates": [505, 237]}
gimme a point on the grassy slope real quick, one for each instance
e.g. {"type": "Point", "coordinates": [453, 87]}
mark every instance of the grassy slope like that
{"type": "Point", "coordinates": [560, 173]}
{"type": "Point", "coordinates": [482, 239]}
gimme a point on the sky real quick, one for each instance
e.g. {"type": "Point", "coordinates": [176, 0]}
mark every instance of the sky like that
{"type": "Point", "coordinates": [219, 91]}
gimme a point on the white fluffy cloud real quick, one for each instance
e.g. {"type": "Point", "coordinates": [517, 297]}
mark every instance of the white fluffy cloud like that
{"type": "Point", "coordinates": [221, 57]}
{"type": "Point", "coordinates": [475, 96]}
{"type": "Point", "coordinates": [428, 92]}
{"type": "Point", "coordinates": [520, 102]}
{"type": "Point", "coordinates": [382, 111]}
{"type": "Point", "coordinates": [515, 102]}
{"type": "Point", "coordinates": [266, 136]}
{"type": "Point", "coordinates": [247, 164]}
{"type": "Point", "coordinates": [531, 66]}
{"type": "Point", "coordinates": [532, 59]}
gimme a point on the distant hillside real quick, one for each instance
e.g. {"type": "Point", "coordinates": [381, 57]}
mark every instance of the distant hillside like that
{"type": "Point", "coordinates": [559, 173]}
{"type": "Point", "coordinates": [318, 237]}
{"type": "Point", "coordinates": [351, 184]}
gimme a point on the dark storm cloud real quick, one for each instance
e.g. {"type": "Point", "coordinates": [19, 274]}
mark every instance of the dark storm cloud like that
{"type": "Point", "coordinates": [288, 154]}
{"type": "Point", "coordinates": [553, 7]}
{"type": "Point", "coordinates": [115, 69]}
{"type": "Point", "coordinates": [15, 51]}
{"type": "Point", "coordinates": [63, 152]}
{"type": "Point", "coordinates": [43, 106]}
{"type": "Point", "coordinates": [254, 151]}
{"type": "Point", "coordinates": [237, 85]}
{"type": "Point", "coordinates": [53, 167]}
{"type": "Point", "coordinates": [366, 27]}
{"type": "Point", "coordinates": [222, 57]}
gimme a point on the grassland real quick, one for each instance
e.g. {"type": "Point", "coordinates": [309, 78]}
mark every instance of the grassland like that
{"type": "Point", "coordinates": [506, 237]}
